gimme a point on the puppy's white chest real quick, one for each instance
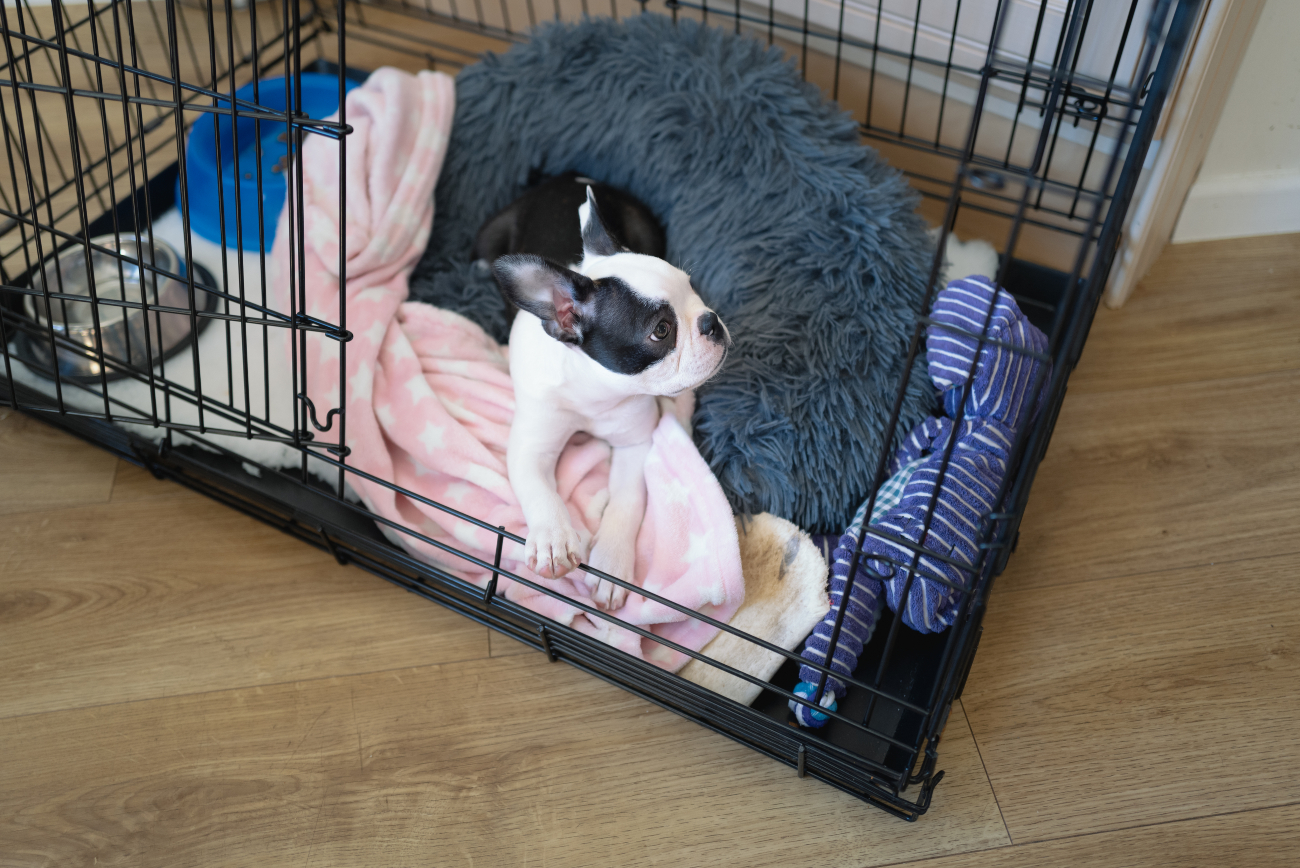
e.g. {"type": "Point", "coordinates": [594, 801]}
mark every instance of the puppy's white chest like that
{"type": "Point", "coordinates": [626, 424]}
{"type": "Point", "coordinates": [566, 392]}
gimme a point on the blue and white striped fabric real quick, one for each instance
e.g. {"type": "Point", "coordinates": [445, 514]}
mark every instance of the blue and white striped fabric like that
{"type": "Point", "coordinates": [966, 488]}
{"type": "Point", "coordinates": [1005, 370]}
{"type": "Point", "coordinates": [887, 496]}
{"type": "Point", "coordinates": [864, 605]}
{"type": "Point", "coordinates": [997, 403]}
{"type": "Point", "coordinates": [969, 485]}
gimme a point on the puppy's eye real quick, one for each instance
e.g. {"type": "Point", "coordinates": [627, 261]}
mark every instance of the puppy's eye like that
{"type": "Point", "coordinates": [661, 331]}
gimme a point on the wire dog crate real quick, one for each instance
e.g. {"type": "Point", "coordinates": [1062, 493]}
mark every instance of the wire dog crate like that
{"type": "Point", "coordinates": [1024, 121]}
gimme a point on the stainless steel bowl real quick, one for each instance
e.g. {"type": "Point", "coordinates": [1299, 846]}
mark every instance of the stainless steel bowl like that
{"type": "Point", "coordinates": [128, 336]}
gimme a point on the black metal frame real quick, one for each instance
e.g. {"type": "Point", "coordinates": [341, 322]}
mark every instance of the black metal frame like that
{"type": "Point", "coordinates": [125, 122]}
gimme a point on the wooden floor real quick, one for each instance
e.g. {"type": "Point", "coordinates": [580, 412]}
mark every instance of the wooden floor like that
{"type": "Point", "coordinates": [181, 685]}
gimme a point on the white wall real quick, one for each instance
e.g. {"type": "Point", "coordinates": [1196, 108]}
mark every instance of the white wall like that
{"type": "Point", "coordinates": [1249, 183]}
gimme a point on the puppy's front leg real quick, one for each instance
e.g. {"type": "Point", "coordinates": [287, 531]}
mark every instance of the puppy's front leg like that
{"type": "Point", "coordinates": [553, 547]}
{"type": "Point", "coordinates": [614, 551]}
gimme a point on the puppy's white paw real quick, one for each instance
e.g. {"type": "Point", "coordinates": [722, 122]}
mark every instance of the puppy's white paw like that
{"type": "Point", "coordinates": [619, 561]}
{"type": "Point", "coordinates": [553, 550]}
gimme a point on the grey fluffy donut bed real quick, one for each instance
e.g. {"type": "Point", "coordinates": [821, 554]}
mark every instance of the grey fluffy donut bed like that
{"type": "Point", "coordinates": [804, 240]}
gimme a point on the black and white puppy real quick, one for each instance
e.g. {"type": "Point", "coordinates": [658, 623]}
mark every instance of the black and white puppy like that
{"type": "Point", "coordinates": [605, 337]}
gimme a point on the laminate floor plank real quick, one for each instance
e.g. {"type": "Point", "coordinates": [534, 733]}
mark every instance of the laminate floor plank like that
{"type": "Point", "coordinates": [117, 602]}
{"type": "Point", "coordinates": [1268, 838]}
{"type": "Point", "coordinates": [1140, 699]}
{"type": "Point", "coordinates": [133, 483]}
{"type": "Point", "coordinates": [41, 467]}
{"type": "Point", "coordinates": [488, 762]}
{"type": "Point", "coordinates": [500, 645]}
{"type": "Point", "coordinates": [1207, 311]}
{"type": "Point", "coordinates": [1165, 476]}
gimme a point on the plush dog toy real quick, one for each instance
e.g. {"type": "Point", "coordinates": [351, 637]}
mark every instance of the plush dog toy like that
{"type": "Point", "coordinates": [1003, 372]}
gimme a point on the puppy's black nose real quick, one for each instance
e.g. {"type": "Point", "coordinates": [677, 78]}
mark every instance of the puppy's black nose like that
{"type": "Point", "coordinates": [711, 327]}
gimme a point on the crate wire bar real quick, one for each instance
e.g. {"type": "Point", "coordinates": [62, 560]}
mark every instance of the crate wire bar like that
{"type": "Point", "coordinates": [1032, 116]}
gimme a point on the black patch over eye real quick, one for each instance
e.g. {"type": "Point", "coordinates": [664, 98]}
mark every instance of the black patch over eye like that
{"type": "Point", "coordinates": [621, 327]}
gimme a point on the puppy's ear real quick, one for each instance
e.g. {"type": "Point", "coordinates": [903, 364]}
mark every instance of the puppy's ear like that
{"type": "Point", "coordinates": [596, 239]}
{"type": "Point", "coordinates": [550, 292]}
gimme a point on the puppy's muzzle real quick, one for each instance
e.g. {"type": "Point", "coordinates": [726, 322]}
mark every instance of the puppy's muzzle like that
{"type": "Point", "coordinates": [712, 328]}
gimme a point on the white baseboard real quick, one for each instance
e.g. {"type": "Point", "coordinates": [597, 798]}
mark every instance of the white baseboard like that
{"type": "Point", "coordinates": [1238, 206]}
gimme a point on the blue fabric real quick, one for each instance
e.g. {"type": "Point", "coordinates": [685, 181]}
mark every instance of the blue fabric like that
{"type": "Point", "coordinates": [859, 623]}
{"type": "Point", "coordinates": [864, 604]}
{"type": "Point", "coordinates": [887, 496]}
{"type": "Point", "coordinates": [803, 239]}
{"type": "Point", "coordinates": [996, 405]}
{"type": "Point", "coordinates": [826, 544]}
{"type": "Point", "coordinates": [999, 402]}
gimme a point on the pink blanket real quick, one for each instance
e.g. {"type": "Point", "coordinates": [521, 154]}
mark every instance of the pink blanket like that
{"type": "Point", "coordinates": [430, 398]}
